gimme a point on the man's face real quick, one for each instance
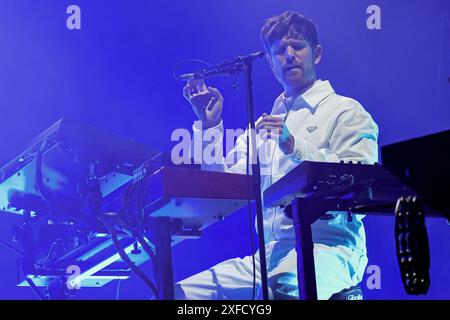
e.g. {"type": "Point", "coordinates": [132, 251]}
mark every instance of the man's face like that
{"type": "Point", "coordinates": [293, 63]}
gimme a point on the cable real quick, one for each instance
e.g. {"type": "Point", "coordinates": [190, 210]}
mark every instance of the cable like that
{"type": "Point", "coordinates": [50, 251]}
{"type": "Point", "coordinates": [140, 189]}
{"type": "Point", "coordinates": [31, 283]}
{"type": "Point", "coordinates": [118, 288]}
{"type": "Point", "coordinates": [35, 288]}
{"type": "Point", "coordinates": [150, 252]}
{"type": "Point", "coordinates": [127, 260]}
{"type": "Point", "coordinates": [12, 248]}
{"type": "Point", "coordinates": [147, 248]}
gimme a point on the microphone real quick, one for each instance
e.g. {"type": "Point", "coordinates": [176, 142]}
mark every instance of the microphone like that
{"type": "Point", "coordinates": [227, 68]}
{"type": "Point", "coordinates": [252, 56]}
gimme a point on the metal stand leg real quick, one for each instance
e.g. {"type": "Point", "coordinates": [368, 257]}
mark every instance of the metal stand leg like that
{"type": "Point", "coordinates": [160, 229]}
{"type": "Point", "coordinates": [304, 246]}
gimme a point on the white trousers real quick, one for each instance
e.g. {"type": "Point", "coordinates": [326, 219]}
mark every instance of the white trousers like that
{"type": "Point", "coordinates": [337, 268]}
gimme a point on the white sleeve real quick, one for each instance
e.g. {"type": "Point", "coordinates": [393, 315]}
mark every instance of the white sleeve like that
{"type": "Point", "coordinates": [353, 139]}
{"type": "Point", "coordinates": [207, 149]}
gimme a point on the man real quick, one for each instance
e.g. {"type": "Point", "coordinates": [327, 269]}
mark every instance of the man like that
{"type": "Point", "coordinates": [308, 121]}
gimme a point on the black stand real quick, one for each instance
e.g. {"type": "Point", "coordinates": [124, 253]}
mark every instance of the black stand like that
{"type": "Point", "coordinates": [305, 211]}
{"type": "Point", "coordinates": [256, 174]}
{"type": "Point", "coordinates": [162, 239]}
{"type": "Point", "coordinates": [306, 273]}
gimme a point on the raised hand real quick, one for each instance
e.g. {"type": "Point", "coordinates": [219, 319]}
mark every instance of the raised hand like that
{"type": "Point", "coordinates": [207, 102]}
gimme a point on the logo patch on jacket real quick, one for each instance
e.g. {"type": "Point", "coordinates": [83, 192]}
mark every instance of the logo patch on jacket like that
{"type": "Point", "coordinates": [311, 129]}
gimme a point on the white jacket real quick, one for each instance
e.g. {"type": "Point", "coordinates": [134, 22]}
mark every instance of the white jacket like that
{"type": "Point", "coordinates": [326, 127]}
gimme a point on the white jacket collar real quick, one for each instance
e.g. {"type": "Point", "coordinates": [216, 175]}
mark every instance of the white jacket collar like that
{"type": "Point", "coordinates": [309, 99]}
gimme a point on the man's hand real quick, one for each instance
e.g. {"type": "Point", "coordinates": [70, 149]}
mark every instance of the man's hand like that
{"type": "Point", "coordinates": [275, 129]}
{"type": "Point", "coordinates": [207, 102]}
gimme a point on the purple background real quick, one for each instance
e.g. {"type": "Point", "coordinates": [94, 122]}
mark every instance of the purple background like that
{"type": "Point", "coordinates": [115, 73]}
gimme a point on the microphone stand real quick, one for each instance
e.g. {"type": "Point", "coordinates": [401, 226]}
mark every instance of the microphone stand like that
{"type": "Point", "coordinates": [231, 68]}
{"type": "Point", "coordinates": [256, 174]}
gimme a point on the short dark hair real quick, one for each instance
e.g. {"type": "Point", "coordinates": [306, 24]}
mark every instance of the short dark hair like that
{"type": "Point", "coordinates": [289, 24]}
